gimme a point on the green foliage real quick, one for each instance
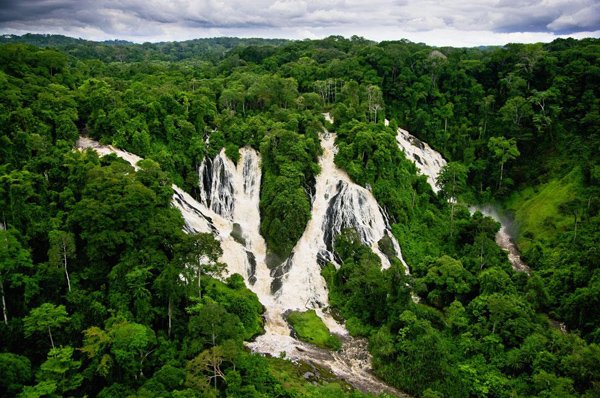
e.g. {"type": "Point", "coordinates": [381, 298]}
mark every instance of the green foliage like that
{"type": "Point", "coordinates": [60, 372]}
{"type": "Point", "coordinates": [503, 150]}
{"type": "Point", "coordinates": [15, 261]}
{"type": "Point", "coordinates": [131, 344]}
{"type": "Point", "coordinates": [310, 328]}
{"type": "Point", "coordinates": [452, 180]}
{"type": "Point", "coordinates": [239, 301]}
{"type": "Point", "coordinates": [289, 166]}
{"type": "Point", "coordinates": [62, 249]}
{"type": "Point", "coordinates": [44, 318]}
{"type": "Point", "coordinates": [212, 325]}
{"type": "Point", "coordinates": [15, 372]}
{"type": "Point", "coordinates": [446, 280]}
{"type": "Point", "coordinates": [488, 313]}
{"type": "Point", "coordinates": [200, 252]}
{"type": "Point", "coordinates": [414, 358]}
{"type": "Point", "coordinates": [363, 293]}
{"type": "Point", "coordinates": [538, 213]}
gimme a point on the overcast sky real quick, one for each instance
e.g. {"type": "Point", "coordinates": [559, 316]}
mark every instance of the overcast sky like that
{"type": "Point", "coordinates": [443, 22]}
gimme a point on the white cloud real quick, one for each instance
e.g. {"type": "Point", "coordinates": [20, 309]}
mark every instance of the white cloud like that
{"type": "Point", "coordinates": [437, 22]}
{"type": "Point", "coordinates": [588, 17]}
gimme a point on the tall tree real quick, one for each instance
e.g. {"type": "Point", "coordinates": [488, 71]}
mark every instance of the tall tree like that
{"type": "Point", "coordinates": [169, 287]}
{"type": "Point", "coordinates": [452, 181]}
{"type": "Point", "coordinates": [44, 318]}
{"type": "Point", "coordinates": [200, 252]}
{"type": "Point", "coordinates": [204, 368]}
{"type": "Point", "coordinates": [503, 150]}
{"type": "Point", "coordinates": [58, 375]}
{"type": "Point", "coordinates": [374, 102]}
{"type": "Point", "coordinates": [125, 344]}
{"type": "Point", "coordinates": [14, 262]}
{"type": "Point", "coordinates": [62, 248]}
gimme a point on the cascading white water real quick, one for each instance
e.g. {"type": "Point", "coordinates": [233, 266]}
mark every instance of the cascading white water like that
{"type": "Point", "coordinates": [229, 208]}
{"type": "Point", "coordinates": [216, 185]}
{"type": "Point", "coordinates": [234, 193]}
{"type": "Point", "coordinates": [242, 255]}
{"type": "Point", "coordinates": [428, 161]}
{"type": "Point", "coordinates": [338, 204]}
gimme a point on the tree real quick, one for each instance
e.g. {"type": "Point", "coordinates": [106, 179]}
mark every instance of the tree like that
{"type": "Point", "coordinates": [452, 181]}
{"type": "Point", "coordinates": [131, 344]}
{"type": "Point", "coordinates": [123, 343]}
{"type": "Point", "coordinates": [447, 280]}
{"type": "Point", "coordinates": [536, 292]}
{"type": "Point", "coordinates": [456, 317]}
{"type": "Point", "coordinates": [208, 361]}
{"type": "Point", "coordinates": [200, 252]}
{"type": "Point", "coordinates": [514, 110]}
{"type": "Point", "coordinates": [14, 261]}
{"type": "Point", "coordinates": [211, 324]}
{"type": "Point", "coordinates": [503, 150]}
{"type": "Point", "coordinates": [62, 248]}
{"type": "Point", "coordinates": [549, 385]}
{"type": "Point", "coordinates": [530, 56]}
{"type": "Point", "coordinates": [374, 102]}
{"type": "Point", "coordinates": [44, 318]}
{"type": "Point", "coordinates": [494, 280]}
{"type": "Point", "coordinates": [419, 356]}
{"type": "Point", "coordinates": [59, 374]}
{"type": "Point", "coordinates": [485, 109]}
{"type": "Point", "coordinates": [15, 371]}
{"type": "Point", "coordinates": [575, 207]}
{"type": "Point", "coordinates": [547, 110]}
{"type": "Point", "coordinates": [140, 297]}
{"type": "Point", "coordinates": [95, 345]}
{"type": "Point", "coordinates": [506, 315]}
{"type": "Point", "coordinates": [169, 287]}
{"type": "Point", "coordinates": [446, 112]}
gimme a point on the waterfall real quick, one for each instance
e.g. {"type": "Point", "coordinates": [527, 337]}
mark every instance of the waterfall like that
{"type": "Point", "coordinates": [233, 193]}
{"type": "Point", "coordinates": [338, 204]}
{"type": "Point", "coordinates": [216, 185]}
{"type": "Point", "coordinates": [243, 247]}
{"type": "Point", "coordinates": [428, 161]}
{"type": "Point", "coordinates": [229, 208]}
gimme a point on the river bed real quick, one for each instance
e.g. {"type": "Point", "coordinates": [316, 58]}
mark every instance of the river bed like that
{"type": "Point", "coordinates": [504, 237]}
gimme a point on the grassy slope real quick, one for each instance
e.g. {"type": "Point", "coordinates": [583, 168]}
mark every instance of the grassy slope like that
{"type": "Point", "coordinates": [537, 209]}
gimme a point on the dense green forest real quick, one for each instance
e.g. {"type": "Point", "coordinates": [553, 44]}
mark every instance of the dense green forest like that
{"type": "Point", "coordinates": [97, 277]}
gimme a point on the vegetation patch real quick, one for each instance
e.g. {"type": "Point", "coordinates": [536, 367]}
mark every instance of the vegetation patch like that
{"type": "Point", "coordinates": [310, 328]}
{"type": "Point", "coordinates": [542, 213]}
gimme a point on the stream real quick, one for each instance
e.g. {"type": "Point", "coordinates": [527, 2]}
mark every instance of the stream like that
{"type": "Point", "coordinates": [504, 238]}
{"type": "Point", "coordinates": [430, 162]}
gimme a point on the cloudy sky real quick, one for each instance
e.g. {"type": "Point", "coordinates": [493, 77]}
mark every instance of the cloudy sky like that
{"type": "Point", "coordinates": [442, 22]}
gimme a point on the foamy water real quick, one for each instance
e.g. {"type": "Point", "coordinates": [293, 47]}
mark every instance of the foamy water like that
{"type": "Point", "coordinates": [229, 208]}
